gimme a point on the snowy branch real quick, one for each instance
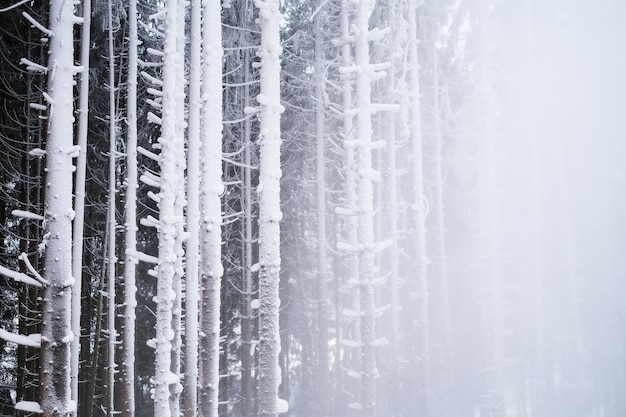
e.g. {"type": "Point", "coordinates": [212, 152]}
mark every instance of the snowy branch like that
{"type": "Point", "coordinates": [27, 215]}
{"type": "Point", "coordinates": [33, 66]}
{"type": "Point", "coordinates": [37, 24]}
{"type": "Point", "coordinates": [33, 340]}
{"type": "Point", "coordinates": [24, 258]}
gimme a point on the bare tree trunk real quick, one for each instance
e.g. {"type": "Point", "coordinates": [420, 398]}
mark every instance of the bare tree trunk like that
{"type": "Point", "coordinates": [269, 208]}
{"type": "Point", "coordinates": [130, 213]}
{"type": "Point", "coordinates": [353, 359]}
{"type": "Point", "coordinates": [247, 347]}
{"type": "Point", "coordinates": [440, 231]}
{"type": "Point", "coordinates": [211, 268]}
{"type": "Point", "coordinates": [192, 287]}
{"type": "Point", "coordinates": [323, 381]}
{"type": "Point", "coordinates": [421, 354]}
{"type": "Point", "coordinates": [79, 199]}
{"type": "Point", "coordinates": [365, 229]}
{"type": "Point", "coordinates": [57, 334]}
{"type": "Point", "coordinates": [112, 261]}
{"type": "Point", "coordinates": [170, 219]}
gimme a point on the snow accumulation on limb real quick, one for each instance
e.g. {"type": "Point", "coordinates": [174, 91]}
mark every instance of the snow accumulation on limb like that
{"type": "Point", "coordinates": [19, 277]}
{"type": "Point", "coordinates": [33, 340]}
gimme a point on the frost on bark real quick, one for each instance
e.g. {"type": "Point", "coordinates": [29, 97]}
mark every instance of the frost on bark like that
{"type": "Point", "coordinates": [130, 219]}
{"type": "Point", "coordinates": [322, 255]}
{"type": "Point", "coordinates": [58, 215]}
{"type": "Point", "coordinates": [421, 353]}
{"type": "Point", "coordinates": [192, 287]}
{"type": "Point", "coordinates": [269, 206]}
{"type": "Point", "coordinates": [211, 269]}
{"type": "Point", "coordinates": [171, 159]}
{"type": "Point", "coordinates": [352, 361]}
{"type": "Point", "coordinates": [365, 204]}
{"type": "Point", "coordinates": [79, 196]}
{"type": "Point", "coordinates": [111, 227]}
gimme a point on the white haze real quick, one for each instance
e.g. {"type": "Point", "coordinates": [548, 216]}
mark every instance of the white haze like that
{"type": "Point", "coordinates": [561, 201]}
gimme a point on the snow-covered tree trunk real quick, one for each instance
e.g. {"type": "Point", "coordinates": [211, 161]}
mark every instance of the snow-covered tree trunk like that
{"type": "Point", "coordinates": [247, 345]}
{"type": "Point", "coordinates": [111, 259]}
{"type": "Point", "coordinates": [171, 143]}
{"type": "Point", "coordinates": [269, 205]}
{"type": "Point", "coordinates": [192, 287]}
{"type": "Point", "coordinates": [392, 204]}
{"type": "Point", "coordinates": [322, 255]}
{"type": "Point", "coordinates": [79, 196]}
{"type": "Point", "coordinates": [354, 361]}
{"type": "Point", "coordinates": [130, 220]}
{"type": "Point", "coordinates": [365, 204]}
{"type": "Point", "coordinates": [179, 207]}
{"type": "Point", "coordinates": [440, 231]}
{"type": "Point", "coordinates": [58, 215]}
{"type": "Point", "coordinates": [211, 269]}
{"type": "Point", "coordinates": [421, 355]}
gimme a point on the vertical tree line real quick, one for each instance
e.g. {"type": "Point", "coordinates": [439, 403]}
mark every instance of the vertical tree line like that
{"type": "Point", "coordinates": [329, 208]}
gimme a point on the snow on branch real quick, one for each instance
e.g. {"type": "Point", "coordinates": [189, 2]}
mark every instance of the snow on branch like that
{"type": "Point", "coordinates": [376, 34]}
{"type": "Point", "coordinates": [74, 151]}
{"type": "Point", "coordinates": [37, 106]}
{"type": "Point", "coordinates": [151, 29]}
{"type": "Point", "coordinates": [147, 153]}
{"type": "Point", "coordinates": [149, 181]}
{"type": "Point", "coordinates": [343, 211]}
{"type": "Point", "coordinates": [350, 343]}
{"type": "Point", "coordinates": [153, 118]}
{"type": "Point", "coordinates": [29, 406]}
{"type": "Point", "coordinates": [351, 313]}
{"type": "Point", "coordinates": [143, 257]}
{"type": "Point", "coordinates": [37, 152]}
{"type": "Point", "coordinates": [37, 24]}
{"type": "Point", "coordinates": [154, 197]}
{"type": "Point", "coordinates": [155, 52]}
{"type": "Point", "coordinates": [154, 103]}
{"type": "Point", "coordinates": [344, 246]}
{"type": "Point", "coordinates": [150, 221]}
{"type": "Point", "coordinates": [26, 215]}
{"type": "Point", "coordinates": [154, 92]}
{"type": "Point", "coordinates": [33, 340]}
{"type": "Point", "coordinates": [151, 79]}
{"type": "Point", "coordinates": [33, 66]}
{"type": "Point", "coordinates": [19, 277]}
{"type": "Point", "coordinates": [24, 258]}
{"type": "Point", "coordinates": [13, 6]}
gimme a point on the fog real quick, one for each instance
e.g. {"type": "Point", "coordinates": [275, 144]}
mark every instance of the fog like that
{"type": "Point", "coordinates": [541, 326]}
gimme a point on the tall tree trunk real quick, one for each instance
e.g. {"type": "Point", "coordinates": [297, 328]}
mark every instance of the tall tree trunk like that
{"type": "Point", "coordinates": [211, 268]}
{"type": "Point", "coordinates": [171, 143]}
{"type": "Point", "coordinates": [269, 207]}
{"type": "Point", "coordinates": [354, 360]}
{"type": "Point", "coordinates": [57, 333]}
{"type": "Point", "coordinates": [179, 208]}
{"type": "Point", "coordinates": [130, 216]}
{"type": "Point", "coordinates": [421, 354]}
{"type": "Point", "coordinates": [79, 198]}
{"type": "Point", "coordinates": [247, 324]}
{"type": "Point", "coordinates": [323, 389]}
{"type": "Point", "coordinates": [365, 204]}
{"type": "Point", "coordinates": [192, 287]}
{"type": "Point", "coordinates": [440, 231]}
{"type": "Point", "coordinates": [112, 261]}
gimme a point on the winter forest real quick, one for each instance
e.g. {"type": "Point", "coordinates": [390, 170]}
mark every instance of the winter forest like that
{"type": "Point", "coordinates": [312, 208]}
